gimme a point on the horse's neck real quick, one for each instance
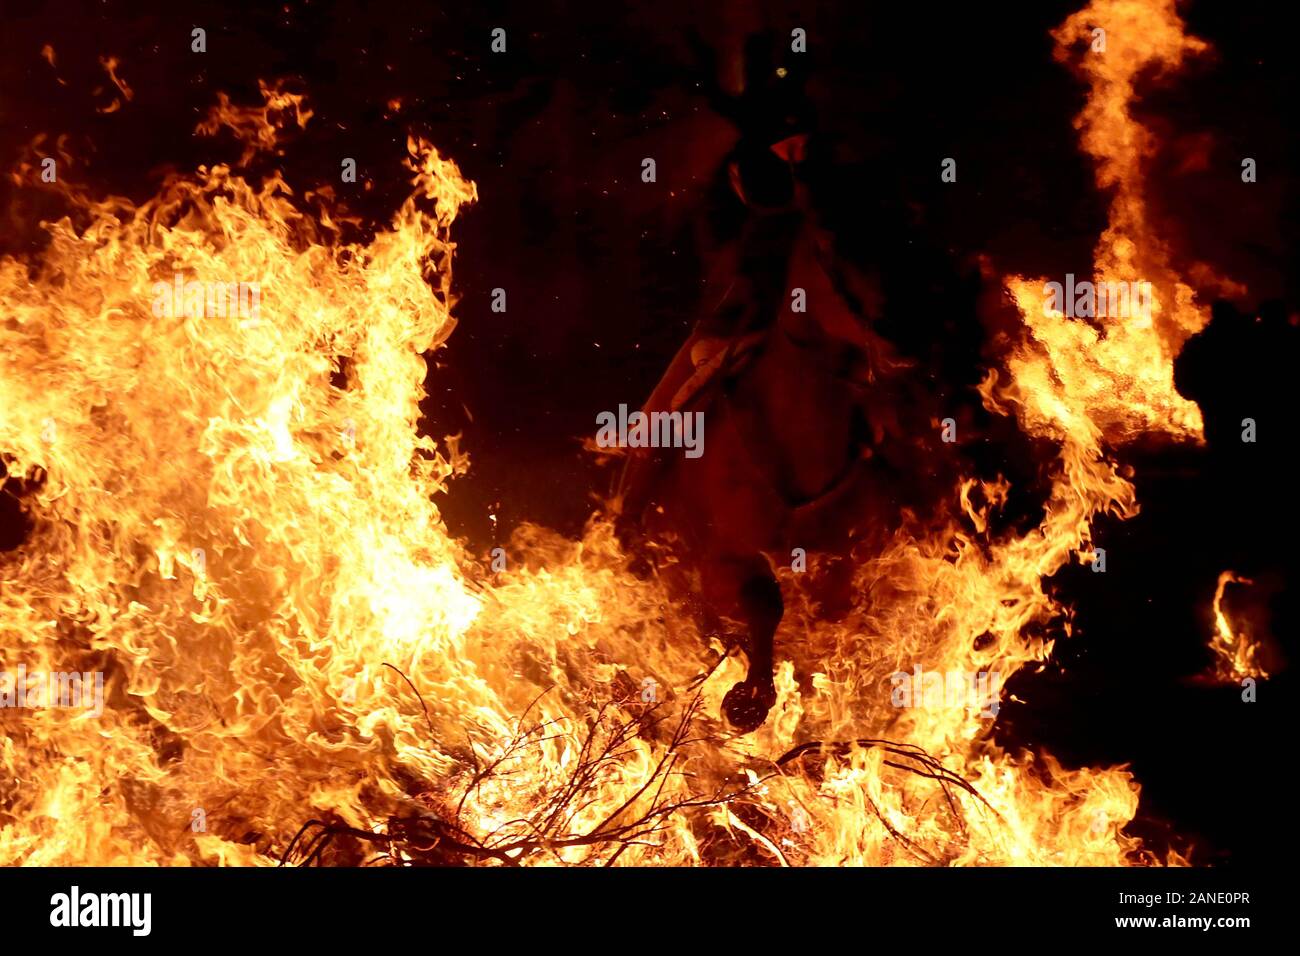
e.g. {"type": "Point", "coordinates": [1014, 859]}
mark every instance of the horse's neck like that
{"type": "Point", "coordinates": [833, 305]}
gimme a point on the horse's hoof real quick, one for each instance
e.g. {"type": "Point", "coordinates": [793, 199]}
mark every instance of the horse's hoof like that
{"type": "Point", "coordinates": [746, 705]}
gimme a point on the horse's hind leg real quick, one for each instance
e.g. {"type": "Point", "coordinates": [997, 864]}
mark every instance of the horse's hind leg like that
{"type": "Point", "coordinates": [758, 597]}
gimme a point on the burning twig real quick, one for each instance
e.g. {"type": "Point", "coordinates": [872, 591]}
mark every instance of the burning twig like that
{"type": "Point", "coordinates": [419, 696]}
{"type": "Point", "coordinates": [425, 839]}
{"type": "Point", "coordinates": [918, 762]}
{"type": "Point", "coordinates": [929, 766]}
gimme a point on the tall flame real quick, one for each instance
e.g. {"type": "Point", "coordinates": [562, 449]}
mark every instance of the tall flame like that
{"type": "Point", "coordinates": [1236, 651]}
{"type": "Point", "coordinates": [1116, 372]}
{"type": "Point", "coordinates": [224, 532]}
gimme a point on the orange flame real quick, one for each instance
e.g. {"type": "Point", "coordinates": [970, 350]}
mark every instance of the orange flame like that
{"type": "Point", "coordinates": [1235, 652]}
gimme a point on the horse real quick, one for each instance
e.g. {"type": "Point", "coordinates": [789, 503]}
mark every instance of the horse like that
{"type": "Point", "coordinates": [800, 402]}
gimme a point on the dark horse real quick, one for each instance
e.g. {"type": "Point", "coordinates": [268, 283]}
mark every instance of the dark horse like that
{"type": "Point", "coordinates": [800, 417]}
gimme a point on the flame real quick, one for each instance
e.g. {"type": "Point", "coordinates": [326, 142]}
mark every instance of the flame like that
{"type": "Point", "coordinates": [235, 522]}
{"type": "Point", "coordinates": [1235, 652]}
{"type": "Point", "coordinates": [1116, 373]}
{"type": "Point", "coordinates": [204, 534]}
{"type": "Point", "coordinates": [110, 65]}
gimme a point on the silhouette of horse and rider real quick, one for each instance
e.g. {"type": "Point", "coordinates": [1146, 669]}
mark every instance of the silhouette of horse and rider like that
{"type": "Point", "coordinates": [800, 397]}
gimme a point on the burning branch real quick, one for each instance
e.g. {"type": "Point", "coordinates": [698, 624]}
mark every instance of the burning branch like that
{"type": "Point", "coordinates": [427, 839]}
{"type": "Point", "coordinates": [910, 758]}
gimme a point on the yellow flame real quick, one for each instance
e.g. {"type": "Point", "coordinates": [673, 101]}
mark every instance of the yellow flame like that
{"type": "Point", "coordinates": [1235, 651]}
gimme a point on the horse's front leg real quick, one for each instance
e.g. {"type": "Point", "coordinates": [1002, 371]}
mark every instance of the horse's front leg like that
{"type": "Point", "coordinates": [747, 704]}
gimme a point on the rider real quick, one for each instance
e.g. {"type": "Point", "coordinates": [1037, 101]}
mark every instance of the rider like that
{"type": "Point", "coordinates": [747, 279]}
{"type": "Point", "coordinates": [780, 243]}
{"type": "Point", "coordinates": [765, 180]}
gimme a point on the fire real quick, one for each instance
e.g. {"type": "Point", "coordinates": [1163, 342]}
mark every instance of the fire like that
{"type": "Point", "coordinates": [235, 522]}
{"type": "Point", "coordinates": [1116, 373]}
{"type": "Point", "coordinates": [1235, 652]}
{"type": "Point", "coordinates": [225, 534]}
